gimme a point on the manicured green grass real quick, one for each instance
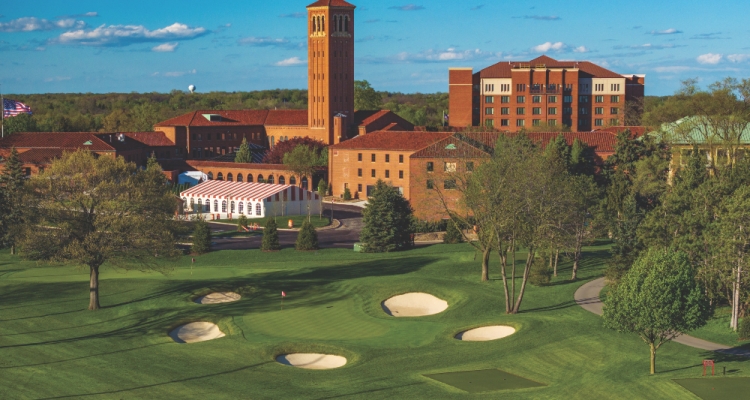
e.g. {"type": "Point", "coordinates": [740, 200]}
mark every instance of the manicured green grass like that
{"type": "Point", "coordinates": [717, 388]}
{"type": "Point", "coordinates": [717, 330]}
{"type": "Point", "coordinates": [51, 346]}
{"type": "Point", "coordinates": [282, 221]}
{"type": "Point", "coordinates": [234, 233]}
{"type": "Point", "coordinates": [485, 380]}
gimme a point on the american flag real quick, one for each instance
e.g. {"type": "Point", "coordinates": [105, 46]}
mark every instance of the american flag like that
{"type": "Point", "coordinates": [11, 108]}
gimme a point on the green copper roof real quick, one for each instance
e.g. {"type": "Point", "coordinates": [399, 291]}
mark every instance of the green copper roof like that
{"type": "Point", "coordinates": [700, 130]}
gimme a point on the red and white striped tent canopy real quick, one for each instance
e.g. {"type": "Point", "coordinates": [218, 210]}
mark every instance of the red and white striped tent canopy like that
{"type": "Point", "coordinates": [242, 191]}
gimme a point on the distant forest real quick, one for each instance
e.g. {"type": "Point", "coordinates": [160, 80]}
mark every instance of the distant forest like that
{"type": "Point", "coordinates": [138, 112]}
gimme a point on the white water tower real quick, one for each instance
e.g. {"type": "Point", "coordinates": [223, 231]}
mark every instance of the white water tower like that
{"type": "Point", "coordinates": [191, 88]}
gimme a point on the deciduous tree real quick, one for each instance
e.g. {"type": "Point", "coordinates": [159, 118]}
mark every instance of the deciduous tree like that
{"type": "Point", "coordinates": [243, 154]}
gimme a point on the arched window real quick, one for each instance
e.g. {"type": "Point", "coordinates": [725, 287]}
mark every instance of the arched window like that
{"type": "Point", "coordinates": [192, 203]}
{"type": "Point", "coordinates": [216, 205]}
{"type": "Point", "coordinates": [304, 183]}
{"type": "Point", "coordinates": [231, 207]}
{"type": "Point", "coordinates": [200, 206]}
{"type": "Point", "coordinates": [335, 22]}
{"type": "Point", "coordinates": [210, 176]}
{"type": "Point", "coordinates": [220, 177]}
{"type": "Point", "coordinates": [207, 206]}
{"type": "Point", "coordinates": [249, 178]}
{"type": "Point", "coordinates": [260, 178]}
{"type": "Point", "coordinates": [270, 179]}
{"type": "Point", "coordinates": [346, 23]}
{"type": "Point", "coordinates": [249, 208]}
{"type": "Point", "coordinates": [199, 137]}
{"type": "Point", "coordinates": [257, 209]}
{"type": "Point", "coordinates": [184, 202]}
{"type": "Point", "coordinates": [282, 181]}
{"type": "Point", "coordinates": [341, 23]}
{"type": "Point", "coordinates": [230, 177]}
{"type": "Point", "coordinates": [241, 207]}
{"type": "Point", "coordinates": [292, 180]}
{"type": "Point", "coordinates": [239, 177]}
{"type": "Point", "coordinates": [223, 206]}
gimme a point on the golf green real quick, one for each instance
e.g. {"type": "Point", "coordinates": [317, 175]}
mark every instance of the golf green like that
{"type": "Point", "coordinates": [485, 380]}
{"type": "Point", "coordinates": [710, 388]}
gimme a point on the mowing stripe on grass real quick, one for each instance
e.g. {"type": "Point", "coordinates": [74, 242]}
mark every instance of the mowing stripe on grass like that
{"type": "Point", "coordinates": [485, 380]}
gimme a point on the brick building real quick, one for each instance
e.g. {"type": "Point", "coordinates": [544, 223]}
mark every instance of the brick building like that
{"type": "Point", "coordinates": [512, 95]}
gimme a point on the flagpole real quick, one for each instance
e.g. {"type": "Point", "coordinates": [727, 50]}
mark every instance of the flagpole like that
{"type": "Point", "coordinates": [2, 101]}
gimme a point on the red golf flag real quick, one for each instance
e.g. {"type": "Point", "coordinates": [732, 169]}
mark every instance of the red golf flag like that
{"type": "Point", "coordinates": [283, 294]}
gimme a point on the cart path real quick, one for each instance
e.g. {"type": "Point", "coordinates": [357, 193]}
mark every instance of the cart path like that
{"type": "Point", "coordinates": [587, 296]}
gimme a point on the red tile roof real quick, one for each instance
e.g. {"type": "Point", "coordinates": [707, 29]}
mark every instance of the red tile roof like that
{"type": "Point", "coordinates": [461, 148]}
{"type": "Point", "coordinates": [504, 69]}
{"type": "Point", "coordinates": [390, 140]}
{"type": "Point", "coordinates": [56, 140]}
{"type": "Point", "coordinates": [287, 117]}
{"type": "Point", "coordinates": [228, 118]}
{"type": "Point", "coordinates": [635, 131]}
{"type": "Point", "coordinates": [331, 3]}
{"type": "Point", "coordinates": [151, 139]}
{"type": "Point", "coordinates": [40, 156]}
{"type": "Point", "coordinates": [219, 164]}
{"type": "Point", "coordinates": [362, 117]}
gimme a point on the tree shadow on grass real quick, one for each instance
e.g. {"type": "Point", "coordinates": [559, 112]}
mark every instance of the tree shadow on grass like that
{"type": "Point", "coordinates": [560, 306]}
{"type": "Point", "coordinates": [83, 357]}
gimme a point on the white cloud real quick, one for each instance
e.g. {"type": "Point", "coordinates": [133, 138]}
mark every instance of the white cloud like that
{"type": "Point", "coordinates": [58, 79]}
{"type": "Point", "coordinates": [736, 58]}
{"type": "Point", "coordinates": [672, 69]}
{"type": "Point", "coordinates": [263, 41]}
{"type": "Point", "coordinates": [408, 7]}
{"type": "Point", "coordinates": [165, 47]}
{"type": "Point", "coordinates": [124, 35]}
{"type": "Point", "coordinates": [91, 14]}
{"type": "Point", "coordinates": [650, 46]}
{"type": "Point", "coordinates": [31, 24]}
{"type": "Point", "coordinates": [450, 54]}
{"type": "Point", "coordinates": [176, 74]}
{"type": "Point", "coordinates": [290, 62]}
{"type": "Point", "coordinates": [670, 31]}
{"type": "Point", "coordinates": [709, 58]}
{"type": "Point", "coordinates": [581, 49]}
{"type": "Point", "coordinates": [545, 47]}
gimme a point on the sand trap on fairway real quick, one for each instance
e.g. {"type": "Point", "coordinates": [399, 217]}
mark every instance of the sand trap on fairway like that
{"type": "Point", "coordinates": [196, 332]}
{"type": "Point", "coordinates": [414, 305]}
{"type": "Point", "coordinates": [218, 297]}
{"type": "Point", "coordinates": [486, 333]}
{"type": "Point", "coordinates": [312, 361]}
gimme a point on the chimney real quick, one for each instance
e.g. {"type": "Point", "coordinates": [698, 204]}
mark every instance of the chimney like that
{"type": "Point", "coordinates": [338, 128]}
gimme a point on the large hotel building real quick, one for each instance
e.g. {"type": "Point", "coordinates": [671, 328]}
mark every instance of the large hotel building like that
{"type": "Point", "coordinates": [511, 95]}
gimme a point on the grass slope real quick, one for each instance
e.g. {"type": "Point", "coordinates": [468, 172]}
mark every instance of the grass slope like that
{"type": "Point", "coordinates": [50, 346]}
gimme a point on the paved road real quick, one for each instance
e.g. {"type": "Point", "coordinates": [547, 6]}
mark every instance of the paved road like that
{"type": "Point", "coordinates": [343, 237]}
{"type": "Point", "coordinates": [587, 296]}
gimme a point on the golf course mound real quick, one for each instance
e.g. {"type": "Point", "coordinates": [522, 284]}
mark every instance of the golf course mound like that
{"type": "Point", "coordinates": [218, 297]}
{"type": "Point", "coordinates": [311, 360]}
{"type": "Point", "coordinates": [196, 332]}
{"type": "Point", "coordinates": [486, 333]}
{"type": "Point", "coordinates": [414, 305]}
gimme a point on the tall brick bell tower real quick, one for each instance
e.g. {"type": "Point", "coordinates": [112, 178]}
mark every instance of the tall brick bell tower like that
{"type": "Point", "coordinates": [330, 69]}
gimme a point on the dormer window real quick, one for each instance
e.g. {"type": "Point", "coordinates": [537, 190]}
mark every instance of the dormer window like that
{"type": "Point", "coordinates": [212, 117]}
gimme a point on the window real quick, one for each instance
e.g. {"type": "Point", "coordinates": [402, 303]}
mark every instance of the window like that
{"type": "Point", "coordinates": [257, 209]}
{"type": "Point", "coordinates": [505, 99]}
{"type": "Point", "coordinates": [599, 122]}
{"type": "Point", "coordinates": [359, 172]}
{"type": "Point", "coordinates": [449, 167]}
{"type": "Point", "coordinates": [489, 99]}
{"type": "Point", "coordinates": [231, 207]}
{"type": "Point", "coordinates": [230, 177]}
{"type": "Point", "coordinates": [505, 111]}
{"type": "Point", "coordinates": [292, 180]}
{"type": "Point", "coordinates": [430, 166]}
{"type": "Point", "coordinates": [552, 111]}
{"type": "Point", "coordinates": [449, 184]}
{"type": "Point", "coordinates": [520, 99]}
{"type": "Point", "coordinates": [614, 99]}
{"type": "Point", "coordinates": [504, 122]}
{"type": "Point", "coordinates": [388, 158]}
{"type": "Point", "coordinates": [488, 87]}
{"type": "Point", "coordinates": [282, 180]}
{"type": "Point", "coordinates": [210, 176]}
{"type": "Point", "coordinates": [583, 86]}
{"type": "Point", "coordinates": [260, 179]}
{"type": "Point", "coordinates": [372, 173]}
{"type": "Point", "coordinates": [614, 122]}
{"type": "Point", "coordinates": [536, 99]}
{"type": "Point", "coordinates": [223, 206]}
{"type": "Point", "coordinates": [567, 110]}
{"type": "Point", "coordinates": [599, 99]}
{"type": "Point", "coordinates": [359, 187]}
{"type": "Point", "coordinates": [400, 174]}
{"type": "Point", "coordinates": [505, 87]}
{"type": "Point", "coordinates": [552, 99]}
{"type": "Point", "coordinates": [220, 177]}
{"type": "Point", "coordinates": [614, 110]}
{"type": "Point", "coordinates": [536, 111]}
{"type": "Point", "coordinates": [372, 157]}
{"type": "Point", "coordinates": [599, 87]}
{"type": "Point", "coordinates": [387, 173]}
{"type": "Point", "coordinates": [270, 179]}
{"type": "Point", "coordinates": [489, 111]}
{"type": "Point", "coordinates": [520, 122]}
{"type": "Point", "coordinates": [552, 122]}
{"type": "Point", "coordinates": [583, 99]}
{"type": "Point", "coordinates": [520, 111]}
{"type": "Point", "coordinates": [430, 184]}
{"type": "Point", "coordinates": [583, 111]}
{"type": "Point", "coordinates": [216, 205]}
{"type": "Point", "coordinates": [359, 157]}
{"type": "Point", "coordinates": [239, 178]}
{"type": "Point", "coordinates": [567, 99]}
{"type": "Point", "coordinates": [615, 87]}
{"type": "Point", "coordinates": [249, 177]}
{"type": "Point", "coordinates": [208, 136]}
{"type": "Point", "coordinates": [489, 123]}
{"type": "Point", "coordinates": [520, 87]}
{"type": "Point", "coordinates": [536, 122]}
{"type": "Point", "coordinates": [470, 166]}
{"type": "Point", "coordinates": [599, 110]}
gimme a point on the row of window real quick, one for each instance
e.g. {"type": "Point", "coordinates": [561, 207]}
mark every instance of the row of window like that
{"type": "Point", "coordinates": [374, 158]}
{"type": "Point", "coordinates": [449, 166]}
{"type": "Point", "coordinates": [551, 99]}
{"type": "Point", "coordinates": [373, 173]}
{"type": "Point", "coordinates": [260, 178]}
{"type": "Point", "coordinates": [223, 136]}
{"type": "Point", "coordinates": [448, 184]}
{"type": "Point", "coordinates": [200, 206]}
{"type": "Point", "coordinates": [550, 111]}
{"type": "Point", "coordinates": [519, 122]}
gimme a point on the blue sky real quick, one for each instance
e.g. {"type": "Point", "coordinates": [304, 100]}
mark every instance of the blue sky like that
{"type": "Point", "coordinates": [408, 46]}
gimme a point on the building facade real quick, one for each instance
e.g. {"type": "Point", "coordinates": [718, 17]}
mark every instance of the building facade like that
{"type": "Point", "coordinates": [512, 96]}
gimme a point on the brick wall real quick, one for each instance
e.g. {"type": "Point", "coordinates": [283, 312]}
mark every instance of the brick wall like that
{"type": "Point", "coordinates": [390, 166]}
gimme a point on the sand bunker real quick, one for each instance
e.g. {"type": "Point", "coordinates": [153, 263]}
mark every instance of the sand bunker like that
{"type": "Point", "coordinates": [486, 333]}
{"type": "Point", "coordinates": [218, 297]}
{"type": "Point", "coordinates": [414, 305]}
{"type": "Point", "coordinates": [312, 361]}
{"type": "Point", "coordinates": [196, 332]}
